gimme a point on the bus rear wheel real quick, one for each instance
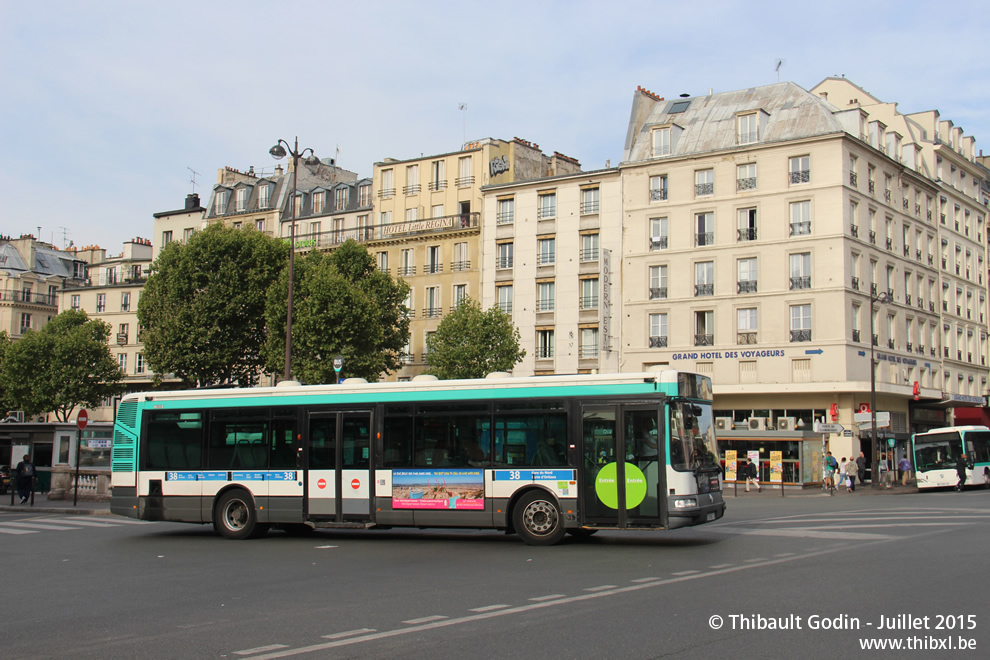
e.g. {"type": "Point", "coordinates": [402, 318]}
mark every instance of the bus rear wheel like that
{"type": "Point", "coordinates": [537, 519]}
{"type": "Point", "coordinates": [235, 517]}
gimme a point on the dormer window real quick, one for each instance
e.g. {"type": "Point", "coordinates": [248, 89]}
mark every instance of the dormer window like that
{"type": "Point", "coordinates": [264, 195]}
{"type": "Point", "coordinates": [748, 128]}
{"type": "Point", "coordinates": [241, 199]}
{"type": "Point", "coordinates": [220, 202]}
{"type": "Point", "coordinates": [661, 142]}
{"type": "Point", "coordinates": [319, 200]}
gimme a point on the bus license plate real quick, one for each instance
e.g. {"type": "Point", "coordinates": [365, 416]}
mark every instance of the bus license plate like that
{"type": "Point", "coordinates": [711, 517]}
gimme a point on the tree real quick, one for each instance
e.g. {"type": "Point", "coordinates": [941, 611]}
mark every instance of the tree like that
{"type": "Point", "coordinates": [471, 343]}
{"type": "Point", "coordinates": [342, 305]}
{"type": "Point", "coordinates": [4, 345]}
{"type": "Point", "coordinates": [203, 308]}
{"type": "Point", "coordinates": [64, 365]}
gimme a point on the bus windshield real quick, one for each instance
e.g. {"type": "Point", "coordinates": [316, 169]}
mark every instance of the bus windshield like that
{"type": "Point", "coordinates": [692, 437]}
{"type": "Point", "coordinates": [937, 451]}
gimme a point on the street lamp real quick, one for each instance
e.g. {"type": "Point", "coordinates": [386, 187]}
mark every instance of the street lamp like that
{"type": "Point", "coordinates": [882, 298]}
{"type": "Point", "coordinates": [278, 152]}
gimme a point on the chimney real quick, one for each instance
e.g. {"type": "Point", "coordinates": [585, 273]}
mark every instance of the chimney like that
{"type": "Point", "coordinates": [192, 201]}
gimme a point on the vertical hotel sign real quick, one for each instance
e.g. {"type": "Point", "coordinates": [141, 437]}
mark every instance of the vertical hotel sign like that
{"type": "Point", "coordinates": [605, 323]}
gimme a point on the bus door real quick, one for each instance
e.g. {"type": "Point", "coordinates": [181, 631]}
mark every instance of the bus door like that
{"type": "Point", "coordinates": [339, 479]}
{"type": "Point", "coordinates": [623, 465]}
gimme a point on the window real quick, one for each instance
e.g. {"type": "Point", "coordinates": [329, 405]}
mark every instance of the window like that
{"type": "Point", "coordinates": [589, 293]}
{"type": "Point", "coordinates": [437, 211]}
{"type": "Point", "coordinates": [465, 177]}
{"type": "Point", "coordinates": [388, 184]}
{"type": "Point", "coordinates": [800, 322]}
{"type": "Point", "coordinates": [544, 344]}
{"type": "Point", "coordinates": [658, 188]}
{"type": "Point", "coordinates": [658, 234]}
{"type": "Point", "coordinates": [506, 211]}
{"type": "Point", "coordinates": [503, 295]}
{"type": "Point", "coordinates": [853, 168]}
{"type": "Point", "coordinates": [704, 183]}
{"type": "Point", "coordinates": [412, 180]}
{"type": "Point", "coordinates": [547, 206]}
{"type": "Point", "coordinates": [122, 332]}
{"type": "Point", "coordinates": [318, 202]}
{"type": "Point", "coordinates": [704, 278]}
{"type": "Point", "coordinates": [101, 302]}
{"type": "Point", "coordinates": [220, 202]}
{"type": "Point", "coordinates": [704, 328]}
{"type": "Point", "coordinates": [383, 261]}
{"type": "Point", "coordinates": [705, 229]}
{"type": "Point", "coordinates": [801, 271]}
{"type": "Point", "coordinates": [25, 322]}
{"type": "Point", "coordinates": [259, 224]}
{"type": "Point", "coordinates": [661, 142]}
{"type": "Point", "coordinates": [412, 215]}
{"type": "Point", "coordinates": [589, 247]}
{"type": "Point", "coordinates": [746, 325]}
{"type": "Point", "coordinates": [503, 257]}
{"type": "Point", "coordinates": [408, 262]}
{"type": "Point", "coordinates": [547, 248]}
{"type": "Point", "coordinates": [364, 195]}
{"type": "Point", "coordinates": [341, 197]}
{"type": "Point", "coordinates": [544, 296]}
{"type": "Point", "coordinates": [746, 177]}
{"type": "Point", "coordinates": [74, 301]}
{"type": "Point", "coordinates": [461, 261]}
{"type": "Point", "coordinates": [749, 128]}
{"type": "Point", "coordinates": [385, 218]}
{"type": "Point", "coordinates": [433, 262]}
{"type": "Point", "coordinates": [800, 169]}
{"type": "Point", "coordinates": [460, 293]}
{"type": "Point", "coordinates": [264, 196]}
{"type": "Point", "coordinates": [658, 330]}
{"type": "Point", "coordinates": [139, 363]}
{"type": "Point", "coordinates": [122, 362]}
{"type": "Point", "coordinates": [240, 201]}
{"type": "Point", "coordinates": [800, 218]}
{"type": "Point", "coordinates": [125, 301]}
{"type": "Point", "coordinates": [297, 205]}
{"type": "Point", "coordinates": [658, 282]}
{"type": "Point", "coordinates": [589, 343]}
{"type": "Point", "coordinates": [746, 275]}
{"type": "Point", "coordinates": [746, 224]}
{"type": "Point", "coordinates": [438, 175]}
{"type": "Point", "coordinates": [678, 107]}
{"type": "Point", "coordinates": [589, 201]}
{"type": "Point", "coordinates": [433, 308]}
{"type": "Point", "coordinates": [166, 238]}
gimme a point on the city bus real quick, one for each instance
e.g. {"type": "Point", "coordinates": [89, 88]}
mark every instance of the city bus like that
{"type": "Point", "coordinates": [937, 451]}
{"type": "Point", "coordinates": [536, 456]}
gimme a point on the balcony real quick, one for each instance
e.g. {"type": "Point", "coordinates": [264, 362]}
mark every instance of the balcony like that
{"type": "Point", "coordinates": [853, 179]}
{"type": "Point", "coordinates": [658, 292]}
{"type": "Point", "coordinates": [800, 176]}
{"type": "Point", "coordinates": [746, 338]}
{"type": "Point", "coordinates": [746, 286]}
{"type": "Point", "coordinates": [909, 346]}
{"type": "Point", "coordinates": [800, 335]}
{"type": "Point", "coordinates": [658, 194]}
{"type": "Point", "coordinates": [546, 212]}
{"type": "Point", "coordinates": [433, 268]}
{"type": "Point", "coordinates": [907, 251]}
{"type": "Point", "coordinates": [405, 271]}
{"type": "Point", "coordinates": [890, 244]}
{"type": "Point", "coordinates": [704, 290]}
{"type": "Point", "coordinates": [386, 193]}
{"type": "Point", "coordinates": [432, 312]}
{"type": "Point", "coordinates": [437, 185]}
{"type": "Point", "coordinates": [855, 283]}
{"type": "Point", "coordinates": [906, 205]}
{"type": "Point", "coordinates": [749, 183]}
{"type": "Point", "coordinates": [856, 335]}
{"type": "Point", "coordinates": [704, 340]}
{"type": "Point", "coordinates": [545, 305]}
{"type": "Point", "coordinates": [589, 208]}
{"type": "Point", "coordinates": [411, 190]}
{"type": "Point", "coordinates": [746, 234]}
{"type": "Point", "coordinates": [503, 262]}
{"type": "Point", "coordinates": [29, 297]}
{"type": "Point", "coordinates": [876, 340]}
{"type": "Point", "coordinates": [801, 282]}
{"type": "Point", "coordinates": [917, 210]}
{"type": "Point", "coordinates": [588, 302]}
{"type": "Point", "coordinates": [658, 243]}
{"type": "Point", "coordinates": [800, 228]}
{"type": "Point", "coordinates": [886, 196]}
{"type": "Point", "coordinates": [544, 353]}
{"type": "Point", "coordinates": [588, 351]}
{"type": "Point", "coordinates": [921, 349]}
{"type": "Point", "coordinates": [917, 255]}
{"type": "Point", "coordinates": [703, 189]}
{"type": "Point", "coordinates": [505, 217]}
{"type": "Point", "coordinates": [854, 230]}
{"type": "Point", "coordinates": [890, 344]}
{"type": "Point", "coordinates": [873, 288]}
{"type": "Point", "coordinates": [907, 298]}
{"type": "Point", "coordinates": [658, 342]}
{"type": "Point", "coordinates": [931, 260]}
{"type": "Point", "coordinates": [457, 266]}
{"type": "Point", "coordinates": [505, 307]}
{"type": "Point", "coordinates": [464, 181]}
{"type": "Point", "coordinates": [589, 254]}
{"type": "Point", "coordinates": [704, 238]}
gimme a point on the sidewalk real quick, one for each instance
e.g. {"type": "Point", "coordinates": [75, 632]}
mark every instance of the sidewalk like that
{"type": "Point", "coordinates": [43, 505]}
{"type": "Point", "coordinates": [729, 490]}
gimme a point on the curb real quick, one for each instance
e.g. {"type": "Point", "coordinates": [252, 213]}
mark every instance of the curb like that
{"type": "Point", "coordinates": [26, 508]}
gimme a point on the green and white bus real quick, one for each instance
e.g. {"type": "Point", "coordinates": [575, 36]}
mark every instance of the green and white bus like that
{"type": "Point", "coordinates": [937, 452]}
{"type": "Point", "coordinates": [538, 456]}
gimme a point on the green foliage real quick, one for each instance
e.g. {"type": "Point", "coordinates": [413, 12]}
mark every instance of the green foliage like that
{"type": "Point", "coordinates": [203, 308]}
{"type": "Point", "coordinates": [64, 365]}
{"type": "Point", "coordinates": [4, 345]}
{"type": "Point", "coordinates": [342, 305]}
{"type": "Point", "coordinates": [471, 343]}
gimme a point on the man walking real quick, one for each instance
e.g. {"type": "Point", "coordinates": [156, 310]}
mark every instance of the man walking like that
{"type": "Point", "coordinates": [861, 468]}
{"type": "Point", "coordinates": [961, 472]}
{"type": "Point", "coordinates": [752, 476]}
{"type": "Point", "coordinates": [25, 478]}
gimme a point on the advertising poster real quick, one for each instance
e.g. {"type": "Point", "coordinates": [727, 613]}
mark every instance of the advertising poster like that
{"type": "Point", "coordinates": [438, 489]}
{"type": "Point", "coordinates": [776, 467]}
{"type": "Point", "coordinates": [730, 464]}
{"type": "Point", "coordinates": [754, 455]}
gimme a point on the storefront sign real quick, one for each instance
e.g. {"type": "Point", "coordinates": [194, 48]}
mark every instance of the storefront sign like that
{"type": "Point", "coordinates": [728, 355]}
{"type": "Point", "coordinates": [421, 225]}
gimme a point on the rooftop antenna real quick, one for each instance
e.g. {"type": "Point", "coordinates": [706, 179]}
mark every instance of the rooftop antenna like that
{"type": "Point", "coordinates": [462, 106]}
{"type": "Point", "coordinates": [65, 235]}
{"type": "Point", "coordinates": [776, 67]}
{"type": "Point", "coordinates": [192, 179]}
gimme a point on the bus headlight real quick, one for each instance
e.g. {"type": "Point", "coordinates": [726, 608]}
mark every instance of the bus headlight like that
{"type": "Point", "coordinates": [686, 503]}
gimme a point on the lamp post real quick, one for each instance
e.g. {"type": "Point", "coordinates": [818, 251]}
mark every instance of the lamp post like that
{"type": "Point", "coordinates": [883, 299]}
{"type": "Point", "coordinates": [278, 152]}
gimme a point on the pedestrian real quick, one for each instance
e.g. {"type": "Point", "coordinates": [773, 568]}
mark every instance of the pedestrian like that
{"type": "Point", "coordinates": [852, 469]}
{"type": "Point", "coordinates": [904, 465]}
{"type": "Point", "coordinates": [752, 476]}
{"type": "Point", "coordinates": [861, 468]}
{"type": "Point", "coordinates": [842, 473]}
{"type": "Point", "coordinates": [961, 472]}
{"type": "Point", "coordinates": [25, 478]}
{"type": "Point", "coordinates": [831, 465]}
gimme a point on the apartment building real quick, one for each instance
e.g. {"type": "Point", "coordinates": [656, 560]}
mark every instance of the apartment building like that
{"type": "Point", "coordinates": [772, 234]}
{"type": "Point", "coordinates": [551, 250]}
{"type": "Point", "coordinates": [32, 273]}
{"type": "Point", "coordinates": [177, 225]}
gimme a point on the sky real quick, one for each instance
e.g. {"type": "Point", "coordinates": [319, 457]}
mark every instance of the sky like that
{"type": "Point", "coordinates": [108, 108]}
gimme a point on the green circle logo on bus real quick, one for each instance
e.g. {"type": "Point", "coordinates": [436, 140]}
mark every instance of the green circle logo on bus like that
{"type": "Point", "coordinates": [607, 486]}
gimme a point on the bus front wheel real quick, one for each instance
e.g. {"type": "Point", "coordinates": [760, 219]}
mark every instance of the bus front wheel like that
{"type": "Point", "coordinates": [537, 519]}
{"type": "Point", "coordinates": [235, 517]}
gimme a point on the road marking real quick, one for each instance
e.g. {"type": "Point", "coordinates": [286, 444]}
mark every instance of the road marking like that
{"type": "Point", "coordinates": [785, 554]}
{"type": "Point", "coordinates": [540, 599]}
{"type": "Point", "coordinates": [747, 561]}
{"type": "Point", "coordinates": [426, 619]}
{"type": "Point", "coordinates": [84, 523]}
{"type": "Point", "coordinates": [561, 600]}
{"type": "Point", "coordinates": [601, 588]}
{"type": "Point", "coordinates": [649, 579]}
{"type": "Point", "coordinates": [721, 565]}
{"type": "Point", "coordinates": [118, 520]}
{"type": "Point", "coordinates": [488, 608]}
{"type": "Point", "coordinates": [262, 649]}
{"type": "Point", "coordinates": [807, 533]}
{"type": "Point", "coordinates": [32, 525]}
{"type": "Point", "coordinates": [685, 573]}
{"type": "Point", "coordinates": [350, 633]}
{"type": "Point", "coordinates": [4, 530]}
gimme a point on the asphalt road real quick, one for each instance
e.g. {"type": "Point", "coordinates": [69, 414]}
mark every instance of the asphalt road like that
{"type": "Point", "coordinates": [96, 587]}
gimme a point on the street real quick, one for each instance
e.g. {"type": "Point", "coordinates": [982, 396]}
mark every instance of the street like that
{"type": "Point", "coordinates": [834, 572]}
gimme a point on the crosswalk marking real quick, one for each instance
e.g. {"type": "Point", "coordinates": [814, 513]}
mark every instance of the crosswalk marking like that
{"type": "Point", "coordinates": [7, 530]}
{"type": "Point", "coordinates": [32, 525]}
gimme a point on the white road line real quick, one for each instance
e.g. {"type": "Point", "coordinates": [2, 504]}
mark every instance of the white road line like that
{"type": "Point", "coordinates": [807, 533]}
{"type": "Point", "coordinates": [649, 579]}
{"type": "Point", "coordinates": [84, 523]}
{"type": "Point", "coordinates": [4, 530]}
{"type": "Point", "coordinates": [750, 561]}
{"type": "Point", "coordinates": [604, 587]}
{"type": "Point", "coordinates": [685, 573]}
{"type": "Point", "coordinates": [119, 520]}
{"type": "Point", "coordinates": [262, 649]}
{"type": "Point", "coordinates": [721, 565]}
{"type": "Point", "coordinates": [488, 608]}
{"type": "Point", "coordinates": [540, 599]}
{"type": "Point", "coordinates": [426, 619]}
{"type": "Point", "coordinates": [350, 633]}
{"type": "Point", "coordinates": [785, 554]}
{"type": "Point", "coordinates": [32, 525]}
